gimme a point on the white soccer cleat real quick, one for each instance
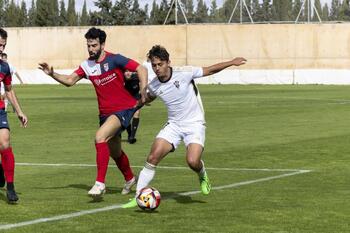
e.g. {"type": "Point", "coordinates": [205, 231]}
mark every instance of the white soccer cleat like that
{"type": "Point", "coordinates": [128, 185]}
{"type": "Point", "coordinates": [97, 190]}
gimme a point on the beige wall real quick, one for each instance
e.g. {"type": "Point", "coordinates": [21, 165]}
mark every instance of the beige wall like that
{"type": "Point", "coordinates": [275, 46]}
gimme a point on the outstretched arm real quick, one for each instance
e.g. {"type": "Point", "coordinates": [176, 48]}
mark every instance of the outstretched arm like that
{"type": "Point", "coordinates": [67, 80]}
{"type": "Point", "coordinates": [223, 65]}
{"type": "Point", "coordinates": [19, 77]}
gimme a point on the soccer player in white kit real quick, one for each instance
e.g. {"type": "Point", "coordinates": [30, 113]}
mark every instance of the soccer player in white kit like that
{"type": "Point", "coordinates": [176, 88]}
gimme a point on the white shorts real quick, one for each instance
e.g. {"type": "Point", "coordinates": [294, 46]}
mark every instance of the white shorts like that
{"type": "Point", "coordinates": [174, 133]}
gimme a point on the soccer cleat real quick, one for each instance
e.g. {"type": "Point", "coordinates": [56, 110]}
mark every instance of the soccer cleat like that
{"type": "Point", "coordinates": [131, 204]}
{"type": "Point", "coordinates": [205, 184]}
{"type": "Point", "coordinates": [97, 190]}
{"type": "Point", "coordinates": [2, 177]}
{"type": "Point", "coordinates": [128, 185]}
{"type": "Point", "coordinates": [132, 140]}
{"type": "Point", "coordinates": [11, 196]}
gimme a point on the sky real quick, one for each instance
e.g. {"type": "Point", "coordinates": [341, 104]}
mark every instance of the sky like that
{"type": "Point", "coordinates": [91, 6]}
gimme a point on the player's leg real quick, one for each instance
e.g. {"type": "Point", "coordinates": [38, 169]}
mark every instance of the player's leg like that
{"type": "Point", "coordinates": [134, 126]}
{"type": "Point", "coordinates": [107, 130]}
{"type": "Point", "coordinates": [194, 161]}
{"type": "Point", "coordinates": [8, 163]}
{"type": "Point", "coordinates": [159, 150]}
{"type": "Point", "coordinates": [122, 162]}
{"type": "Point", "coordinates": [194, 140]}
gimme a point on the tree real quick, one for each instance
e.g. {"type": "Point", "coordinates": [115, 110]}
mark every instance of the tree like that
{"type": "Point", "coordinates": [138, 16]}
{"type": "Point", "coordinates": [281, 10]}
{"type": "Point", "coordinates": [202, 12]}
{"type": "Point", "coordinates": [325, 12]}
{"type": "Point", "coordinates": [11, 14]}
{"type": "Point", "coordinates": [214, 16]}
{"type": "Point", "coordinates": [296, 9]}
{"type": "Point", "coordinates": [72, 17]}
{"type": "Point", "coordinates": [23, 15]}
{"type": "Point", "coordinates": [32, 14]}
{"type": "Point", "coordinates": [318, 7]}
{"type": "Point", "coordinates": [344, 11]}
{"type": "Point", "coordinates": [104, 16]}
{"type": "Point", "coordinates": [188, 7]}
{"type": "Point", "coordinates": [266, 10]}
{"type": "Point", "coordinates": [121, 13]}
{"type": "Point", "coordinates": [84, 18]}
{"type": "Point", "coordinates": [334, 12]}
{"type": "Point", "coordinates": [154, 14]}
{"type": "Point", "coordinates": [62, 20]}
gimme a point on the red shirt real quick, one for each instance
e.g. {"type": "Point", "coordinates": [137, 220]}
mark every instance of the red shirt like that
{"type": "Point", "coordinates": [107, 77]}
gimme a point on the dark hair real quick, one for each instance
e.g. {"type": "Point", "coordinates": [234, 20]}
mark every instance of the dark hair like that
{"type": "Point", "coordinates": [95, 33]}
{"type": "Point", "coordinates": [4, 55]}
{"type": "Point", "coordinates": [3, 34]}
{"type": "Point", "coordinates": [159, 52]}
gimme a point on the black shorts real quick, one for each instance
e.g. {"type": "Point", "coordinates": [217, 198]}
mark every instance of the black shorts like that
{"type": "Point", "coordinates": [124, 117]}
{"type": "Point", "coordinates": [4, 123]}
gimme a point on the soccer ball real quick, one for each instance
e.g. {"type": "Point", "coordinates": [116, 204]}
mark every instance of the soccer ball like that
{"type": "Point", "coordinates": [148, 199]}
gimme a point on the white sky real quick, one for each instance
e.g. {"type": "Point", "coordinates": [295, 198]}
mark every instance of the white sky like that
{"type": "Point", "coordinates": [91, 6]}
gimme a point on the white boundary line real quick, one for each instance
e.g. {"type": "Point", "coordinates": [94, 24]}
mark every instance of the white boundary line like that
{"type": "Point", "coordinates": [113, 207]}
{"type": "Point", "coordinates": [161, 167]}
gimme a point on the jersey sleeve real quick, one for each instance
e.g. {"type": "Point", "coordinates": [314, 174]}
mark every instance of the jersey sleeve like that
{"type": "Point", "coordinates": [80, 72]}
{"type": "Point", "coordinates": [12, 69]}
{"type": "Point", "coordinates": [150, 90]}
{"type": "Point", "coordinates": [197, 72]}
{"type": "Point", "coordinates": [126, 63]}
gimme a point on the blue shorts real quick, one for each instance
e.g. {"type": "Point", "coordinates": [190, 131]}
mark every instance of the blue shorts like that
{"type": "Point", "coordinates": [124, 117]}
{"type": "Point", "coordinates": [4, 123]}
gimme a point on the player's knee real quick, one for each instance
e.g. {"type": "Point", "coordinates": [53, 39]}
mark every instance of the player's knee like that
{"type": "Point", "coordinates": [99, 138]}
{"type": "Point", "coordinates": [4, 144]}
{"type": "Point", "coordinates": [194, 163]}
{"type": "Point", "coordinates": [153, 158]}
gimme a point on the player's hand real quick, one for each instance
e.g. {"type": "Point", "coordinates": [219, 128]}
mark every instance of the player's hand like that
{"type": "Point", "coordinates": [239, 61]}
{"type": "Point", "coordinates": [23, 119]}
{"type": "Point", "coordinates": [46, 68]}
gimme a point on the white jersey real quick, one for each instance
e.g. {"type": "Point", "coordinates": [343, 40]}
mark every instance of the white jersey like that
{"type": "Point", "coordinates": [151, 74]}
{"type": "Point", "coordinates": [180, 95]}
{"type": "Point", "coordinates": [12, 69]}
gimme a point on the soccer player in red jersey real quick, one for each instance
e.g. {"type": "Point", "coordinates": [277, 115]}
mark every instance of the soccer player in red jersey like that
{"type": "Point", "coordinates": [116, 105]}
{"type": "Point", "coordinates": [7, 157]}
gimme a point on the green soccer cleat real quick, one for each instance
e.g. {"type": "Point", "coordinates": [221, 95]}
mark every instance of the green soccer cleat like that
{"type": "Point", "coordinates": [205, 184]}
{"type": "Point", "coordinates": [131, 204]}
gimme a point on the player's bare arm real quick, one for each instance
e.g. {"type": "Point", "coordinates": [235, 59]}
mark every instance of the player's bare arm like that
{"type": "Point", "coordinates": [142, 73]}
{"type": "Point", "coordinates": [19, 78]}
{"type": "Point", "coordinates": [238, 61]}
{"type": "Point", "coordinates": [11, 96]}
{"type": "Point", "coordinates": [67, 80]}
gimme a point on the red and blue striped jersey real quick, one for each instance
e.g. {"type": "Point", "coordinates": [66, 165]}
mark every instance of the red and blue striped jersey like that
{"type": "Point", "coordinates": [5, 77]}
{"type": "Point", "coordinates": [107, 77]}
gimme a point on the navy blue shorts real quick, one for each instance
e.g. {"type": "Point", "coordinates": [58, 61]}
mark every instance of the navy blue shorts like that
{"type": "Point", "coordinates": [124, 117]}
{"type": "Point", "coordinates": [4, 123]}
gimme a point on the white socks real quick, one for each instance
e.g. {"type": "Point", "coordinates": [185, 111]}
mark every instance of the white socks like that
{"type": "Point", "coordinates": [145, 177]}
{"type": "Point", "coordinates": [202, 172]}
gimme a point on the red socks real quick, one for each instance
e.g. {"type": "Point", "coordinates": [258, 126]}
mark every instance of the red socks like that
{"type": "Point", "coordinates": [102, 159]}
{"type": "Point", "coordinates": [123, 164]}
{"type": "Point", "coordinates": [8, 163]}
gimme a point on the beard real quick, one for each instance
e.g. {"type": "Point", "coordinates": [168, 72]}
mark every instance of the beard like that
{"type": "Point", "coordinates": [95, 56]}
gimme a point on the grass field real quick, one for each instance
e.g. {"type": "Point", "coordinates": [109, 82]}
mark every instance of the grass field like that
{"type": "Point", "coordinates": [261, 142]}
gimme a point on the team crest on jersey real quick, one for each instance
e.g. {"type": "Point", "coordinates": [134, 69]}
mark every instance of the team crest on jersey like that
{"type": "Point", "coordinates": [177, 84]}
{"type": "Point", "coordinates": [106, 67]}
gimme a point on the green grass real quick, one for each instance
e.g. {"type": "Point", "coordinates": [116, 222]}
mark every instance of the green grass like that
{"type": "Point", "coordinates": [276, 127]}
